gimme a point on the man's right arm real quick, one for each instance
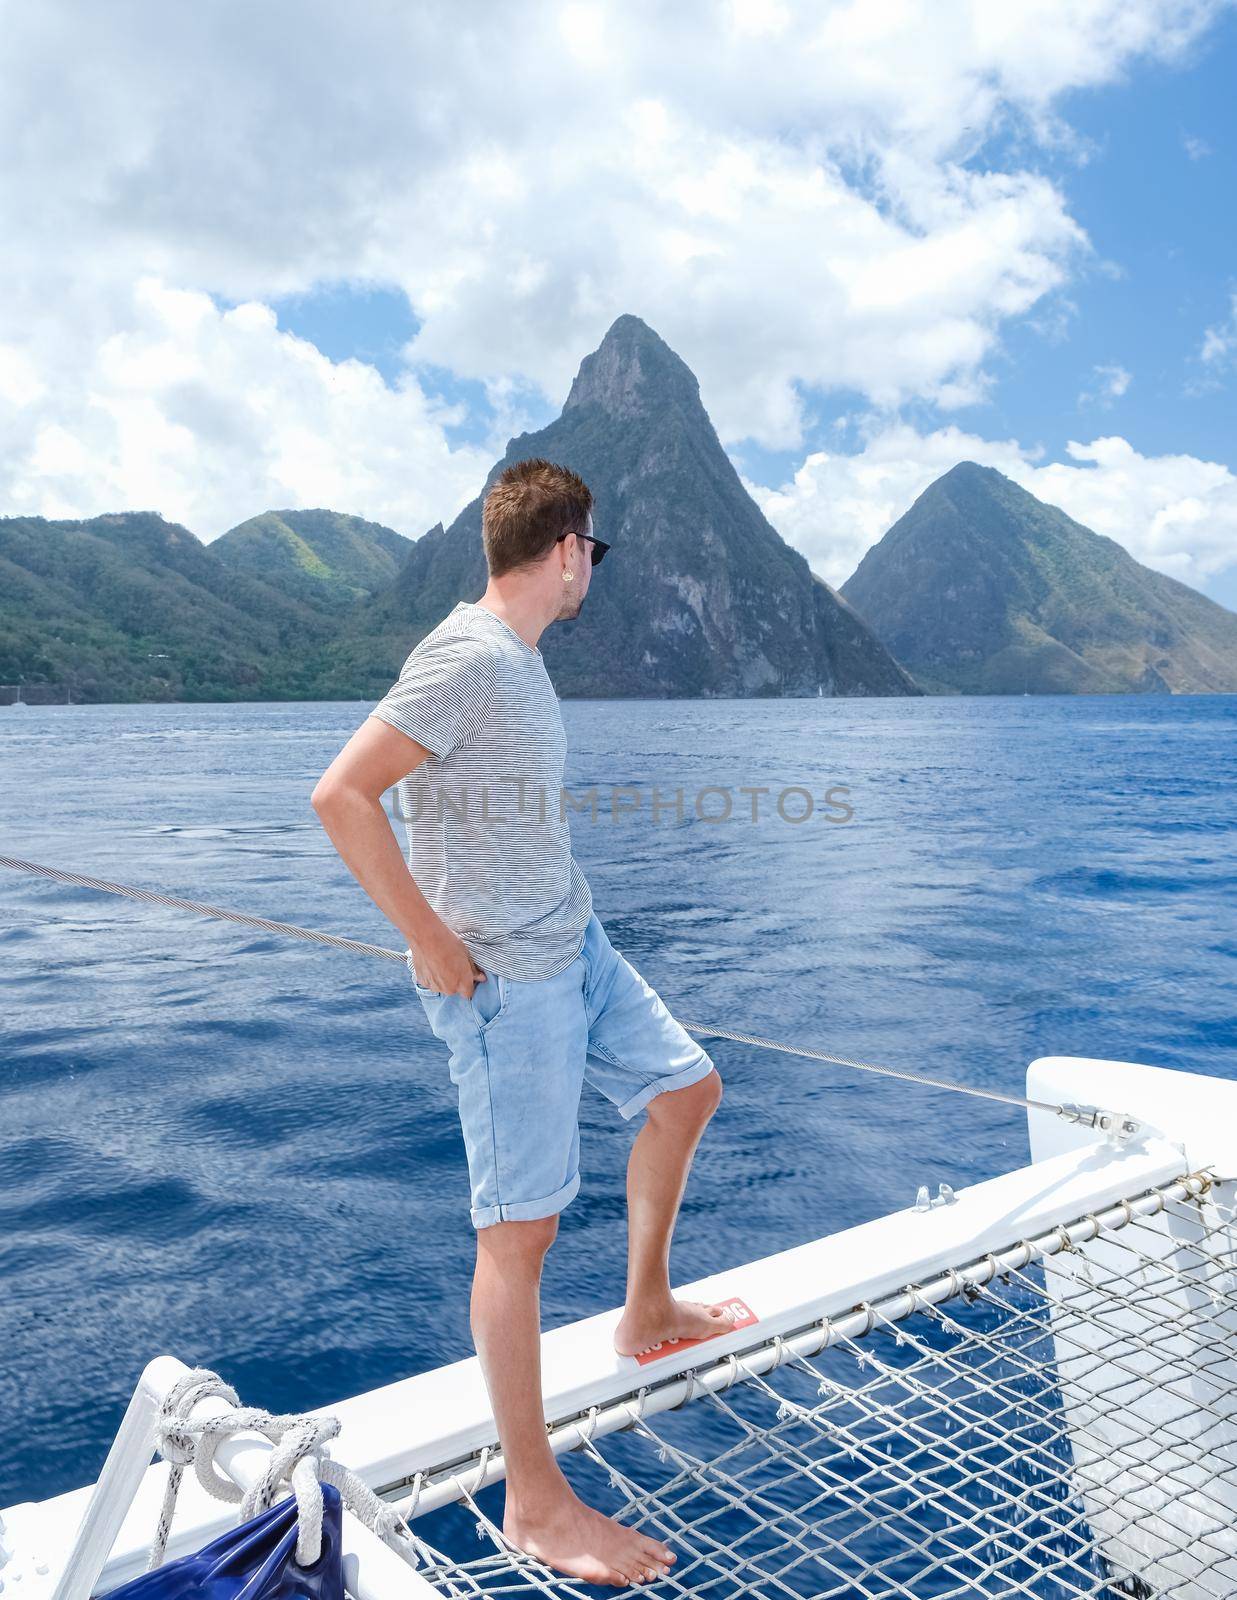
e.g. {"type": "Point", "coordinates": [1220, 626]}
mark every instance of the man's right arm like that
{"type": "Point", "coordinates": [348, 801]}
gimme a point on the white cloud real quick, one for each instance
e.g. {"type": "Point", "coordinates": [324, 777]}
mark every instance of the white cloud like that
{"type": "Point", "coordinates": [208, 416]}
{"type": "Point", "coordinates": [20, 384]}
{"type": "Point", "coordinates": [1197, 149]}
{"type": "Point", "coordinates": [1108, 383]}
{"type": "Point", "coordinates": [1177, 514]}
{"type": "Point", "coordinates": [779, 188]}
{"type": "Point", "coordinates": [1220, 342]}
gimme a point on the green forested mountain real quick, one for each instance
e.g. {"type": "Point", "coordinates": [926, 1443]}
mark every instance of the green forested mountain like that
{"type": "Point", "coordinates": [326, 558]}
{"type": "Point", "coordinates": [373, 637]}
{"type": "Point", "coordinates": [699, 596]}
{"type": "Point", "coordinates": [130, 607]}
{"type": "Point", "coordinates": [980, 588]}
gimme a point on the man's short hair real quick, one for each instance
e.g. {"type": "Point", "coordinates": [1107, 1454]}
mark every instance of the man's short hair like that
{"type": "Point", "coordinates": [530, 504]}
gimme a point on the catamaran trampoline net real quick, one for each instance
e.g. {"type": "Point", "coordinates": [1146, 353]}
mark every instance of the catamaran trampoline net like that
{"type": "Point", "coordinates": [1060, 1422]}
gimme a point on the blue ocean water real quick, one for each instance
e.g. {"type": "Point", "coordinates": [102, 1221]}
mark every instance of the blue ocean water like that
{"type": "Point", "coordinates": [244, 1151]}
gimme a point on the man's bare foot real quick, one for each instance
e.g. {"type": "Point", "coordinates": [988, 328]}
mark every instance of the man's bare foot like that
{"type": "Point", "coordinates": [573, 1538]}
{"type": "Point", "coordinates": [641, 1327]}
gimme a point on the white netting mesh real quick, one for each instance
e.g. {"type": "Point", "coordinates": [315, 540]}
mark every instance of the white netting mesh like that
{"type": "Point", "coordinates": [1068, 1427]}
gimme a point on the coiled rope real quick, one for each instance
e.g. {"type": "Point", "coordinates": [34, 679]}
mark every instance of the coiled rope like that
{"type": "Point", "coordinates": [1122, 1127]}
{"type": "Point", "coordinates": [299, 1458]}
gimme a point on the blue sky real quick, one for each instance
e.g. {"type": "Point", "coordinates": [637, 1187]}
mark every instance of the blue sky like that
{"type": "Point", "coordinates": [1160, 218]}
{"type": "Point", "coordinates": [373, 324]}
{"type": "Point", "coordinates": [885, 236]}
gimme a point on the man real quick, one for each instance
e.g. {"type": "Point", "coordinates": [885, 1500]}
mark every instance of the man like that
{"type": "Point", "coordinates": [519, 980]}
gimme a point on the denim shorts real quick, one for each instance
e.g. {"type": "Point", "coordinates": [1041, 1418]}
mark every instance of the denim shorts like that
{"type": "Point", "coordinates": [521, 1051]}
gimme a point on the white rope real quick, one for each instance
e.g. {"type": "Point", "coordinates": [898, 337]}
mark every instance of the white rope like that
{"type": "Point", "coordinates": [358, 947]}
{"type": "Point", "coordinates": [299, 1459]}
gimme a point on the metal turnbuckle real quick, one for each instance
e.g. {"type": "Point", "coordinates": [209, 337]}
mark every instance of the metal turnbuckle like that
{"type": "Point", "coordinates": [1118, 1127]}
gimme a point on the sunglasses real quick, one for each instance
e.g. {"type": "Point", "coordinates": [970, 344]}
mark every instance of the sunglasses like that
{"type": "Point", "coordinates": [599, 545]}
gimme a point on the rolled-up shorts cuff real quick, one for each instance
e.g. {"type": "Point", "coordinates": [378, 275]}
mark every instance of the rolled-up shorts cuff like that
{"type": "Point", "coordinates": [673, 1080]}
{"type": "Point", "coordinates": [528, 1210]}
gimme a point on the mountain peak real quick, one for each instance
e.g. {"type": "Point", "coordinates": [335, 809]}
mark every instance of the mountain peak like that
{"type": "Point", "coordinates": [971, 472]}
{"type": "Point", "coordinates": [631, 371]}
{"type": "Point", "coordinates": [981, 588]}
{"type": "Point", "coordinates": [702, 598]}
{"type": "Point", "coordinates": [970, 485]}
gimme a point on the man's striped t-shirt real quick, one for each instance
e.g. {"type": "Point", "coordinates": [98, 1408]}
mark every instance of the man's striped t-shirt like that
{"type": "Point", "coordinates": [488, 841]}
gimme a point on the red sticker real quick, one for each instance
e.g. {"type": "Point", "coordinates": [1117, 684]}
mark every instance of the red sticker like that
{"type": "Point", "coordinates": [744, 1317]}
